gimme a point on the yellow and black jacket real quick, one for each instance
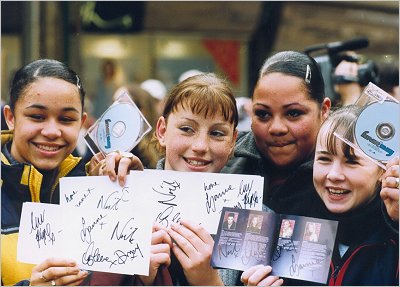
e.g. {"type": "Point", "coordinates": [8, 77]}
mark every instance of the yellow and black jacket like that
{"type": "Point", "coordinates": [22, 182]}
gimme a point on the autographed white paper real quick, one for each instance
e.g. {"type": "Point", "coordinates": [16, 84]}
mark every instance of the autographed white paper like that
{"type": "Point", "coordinates": [195, 196]}
{"type": "Point", "coordinates": [199, 197]}
{"type": "Point", "coordinates": [103, 226]}
{"type": "Point", "coordinates": [40, 232]}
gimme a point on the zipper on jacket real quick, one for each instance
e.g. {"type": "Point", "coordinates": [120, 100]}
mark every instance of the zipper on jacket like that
{"type": "Point", "coordinates": [334, 274]}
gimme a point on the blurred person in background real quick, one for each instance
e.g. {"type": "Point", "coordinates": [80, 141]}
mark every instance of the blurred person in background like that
{"type": "Point", "coordinates": [244, 106]}
{"type": "Point", "coordinates": [188, 74]}
{"type": "Point", "coordinates": [389, 79]}
{"type": "Point", "coordinates": [105, 87]}
{"type": "Point", "coordinates": [158, 91]}
{"type": "Point", "coordinates": [348, 91]}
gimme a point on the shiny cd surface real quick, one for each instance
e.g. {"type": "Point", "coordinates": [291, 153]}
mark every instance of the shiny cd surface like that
{"type": "Point", "coordinates": [377, 130]}
{"type": "Point", "coordinates": [118, 128]}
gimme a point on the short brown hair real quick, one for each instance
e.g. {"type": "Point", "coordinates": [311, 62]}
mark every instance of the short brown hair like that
{"type": "Point", "coordinates": [204, 94]}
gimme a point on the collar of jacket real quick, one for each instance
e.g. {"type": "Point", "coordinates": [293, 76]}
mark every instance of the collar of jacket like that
{"type": "Point", "coordinates": [161, 164]}
{"type": "Point", "coordinates": [30, 176]}
{"type": "Point", "coordinates": [246, 146]}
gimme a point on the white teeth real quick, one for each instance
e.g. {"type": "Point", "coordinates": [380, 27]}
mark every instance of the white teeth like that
{"type": "Point", "coordinates": [337, 191]}
{"type": "Point", "coordinates": [47, 148]}
{"type": "Point", "coordinates": [195, 162]}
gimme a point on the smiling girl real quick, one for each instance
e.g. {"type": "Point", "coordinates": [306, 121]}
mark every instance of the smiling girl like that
{"type": "Point", "coordinates": [349, 185]}
{"type": "Point", "coordinates": [44, 117]}
{"type": "Point", "coordinates": [348, 189]}
{"type": "Point", "coordinates": [196, 133]}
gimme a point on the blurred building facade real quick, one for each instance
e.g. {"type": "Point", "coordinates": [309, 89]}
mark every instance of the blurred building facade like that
{"type": "Point", "coordinates": [162, 39]}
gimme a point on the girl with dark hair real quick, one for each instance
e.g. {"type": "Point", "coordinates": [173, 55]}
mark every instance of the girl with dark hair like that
{"type": "Point", "coordinates": [44, 119]}
{"type": "Point", "coordinates": [288, 109]}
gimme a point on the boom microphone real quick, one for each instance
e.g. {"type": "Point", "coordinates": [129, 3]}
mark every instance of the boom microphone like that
{"type": "Point", "coordinates": [350, 45]}
{"type": "Point", "coordinates": [336, 47]}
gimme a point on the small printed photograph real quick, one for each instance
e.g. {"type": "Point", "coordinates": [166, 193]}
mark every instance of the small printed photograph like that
{"type": "Point", "coordinates": [254, 224]}
{"type": "Point", "coordinates": [230, 219]}
{"type": "Point", "coordinates": [287, 228]}
{"type": "Point", "coordinates": [311, 232]}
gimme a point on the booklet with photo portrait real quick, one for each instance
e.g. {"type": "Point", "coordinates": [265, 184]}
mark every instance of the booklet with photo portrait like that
{"type": "Point", "coordinates": [295, 247]}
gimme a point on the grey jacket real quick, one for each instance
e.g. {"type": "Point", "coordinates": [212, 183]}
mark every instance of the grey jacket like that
{"type": "Point", "coordinates": [288, 198]}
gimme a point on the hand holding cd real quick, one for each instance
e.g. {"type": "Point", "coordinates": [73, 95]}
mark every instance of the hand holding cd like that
{"type": "Point", "coordinates": [390, 188]}
{"type": "Point", "coordinates": [117, 165]}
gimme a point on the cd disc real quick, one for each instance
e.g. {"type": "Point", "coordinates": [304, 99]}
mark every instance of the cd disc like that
{"type": "Point", "coordinates": [377, 130]}
{"type": "Point", "coordinates": [118, 128]}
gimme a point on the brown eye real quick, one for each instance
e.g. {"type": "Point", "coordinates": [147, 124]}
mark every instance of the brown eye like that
{"type": "Point", "coordinates": [262, 114]}
{"type": "Point", "coordinates": [295, 113]}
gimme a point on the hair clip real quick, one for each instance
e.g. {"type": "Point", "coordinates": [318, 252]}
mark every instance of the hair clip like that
{"type": "Point", "coordinates": [307, 79]}
{"type": "Point", "coordinates": [78, 82]}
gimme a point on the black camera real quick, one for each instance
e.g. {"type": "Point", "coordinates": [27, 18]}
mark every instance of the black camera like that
{"type": "Point", "coordinates": [335, 52]}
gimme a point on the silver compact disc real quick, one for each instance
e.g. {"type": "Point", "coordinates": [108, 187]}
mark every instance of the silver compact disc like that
{"type": "Point", "coordinates": [118, 128]}
{"type": "Point", "coordinates": [377, 130]}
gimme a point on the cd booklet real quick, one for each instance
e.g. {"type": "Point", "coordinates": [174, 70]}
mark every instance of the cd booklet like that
{"type": "Point", "coordinates": [121, 127]}
{"type": "Point", "coordinates": [295, 247]}
{"type": "Point", "coordinates": [375, 131]}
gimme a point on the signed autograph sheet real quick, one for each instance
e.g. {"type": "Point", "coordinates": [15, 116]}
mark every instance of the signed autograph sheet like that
{"type": "Point", "coordinates": [106, 227]}
{"type": "Point", "coordinates": [101, 225]}
{"type": "Point", "coordinates": [200, 197]}
{"type": "Point", "coordinates": [295, 247]}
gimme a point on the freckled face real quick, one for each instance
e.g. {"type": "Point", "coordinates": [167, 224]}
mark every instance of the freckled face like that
{"type": "Point", "coordinates": [46, 123]}
{"type": "Point", "coordinates": [285, 119]}
{"type": "Point", "coordinates": [195, 143]}
{"type": "Point", "coordinates": [343, 184]}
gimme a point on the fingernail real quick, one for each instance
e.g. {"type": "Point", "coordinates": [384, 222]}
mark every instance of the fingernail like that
{"type": "Point", "coordinates": [72, 263]}
{"type": "Point", "coordinates": [85, 274]}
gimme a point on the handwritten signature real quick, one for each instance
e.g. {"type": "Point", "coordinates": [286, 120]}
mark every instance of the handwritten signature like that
{"type": "Point", "coordinates": [295, 268]}
{"type": "Point", "coordinates": [86, 230]}
{"type": "Point", "coordinates": [84, 196]}
{"type": "Point", "coordinates": [112, 201]}
{"type": "Point", "coordinates": [253, 250]}
{"type": "Point", "coordinates": [288, 245]}
{"type": "Point", "coordinates": [43, 233]}
{"type": "Point", "coordinates": [250, 197]}
{"type": "Point", "coordinates": [130, 254]}
{"type": "Point", "coordinates": [212, 199]}
{"type": "Point", "coordinates": [167, 189]}
{"type": "Point", "coordinates": [124, 234]}
{"type": "Point", "coordinates": [92, 255]}
{"type": "Point", "coordinates": [70, 197]}
{"type": "Point", "coordinates": [231, 247]}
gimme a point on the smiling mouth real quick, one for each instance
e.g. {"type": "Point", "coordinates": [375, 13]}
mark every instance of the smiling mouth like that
{"type": "Point", "coordinates": [47, 148]}
{"type": "Point", "coordinates": [338, 192]}
{"type": "Point", "coordinates": [280, 144]}
{"type": "Point", "coordinates": [196, 162]}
